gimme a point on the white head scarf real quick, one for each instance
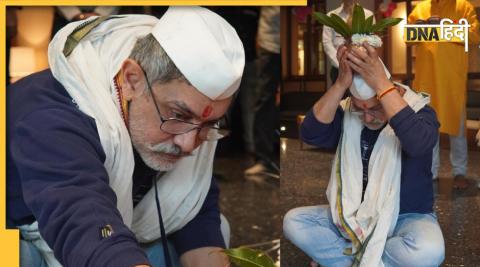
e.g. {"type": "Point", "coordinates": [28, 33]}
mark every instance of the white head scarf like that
{"type": "Point", "coordinates": [360, 89]}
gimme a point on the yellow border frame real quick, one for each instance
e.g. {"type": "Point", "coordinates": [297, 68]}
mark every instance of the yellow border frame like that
{"type": "Point", "coordinates": [157, 2]}
{"type": "Point", "coordinates": [9, 239]}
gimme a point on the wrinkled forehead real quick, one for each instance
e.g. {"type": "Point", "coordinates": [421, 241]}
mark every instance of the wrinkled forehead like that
{"type": "Point", "coordinates": [182, 96]}
{"type": "Point", "coordinates": [207, 110]}
{"type": "Point", "coordinates": [366, 104]}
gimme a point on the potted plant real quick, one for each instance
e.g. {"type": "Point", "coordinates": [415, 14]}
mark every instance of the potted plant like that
{"type": "Point", "coordinates": [362, 29]}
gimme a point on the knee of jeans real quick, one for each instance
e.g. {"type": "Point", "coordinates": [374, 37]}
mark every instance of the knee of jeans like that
{"type": "Point", "coordinates": [418, 252]}
{"type": "Point", "coordinates": [30, 255]}
{"type": "Point", "coordinates": [290, 223]}
{"type": "Point", "coordinates": [434, 253]}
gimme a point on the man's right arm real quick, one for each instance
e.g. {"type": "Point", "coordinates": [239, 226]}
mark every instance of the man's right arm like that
{"type": "Point", "coordinates": [322, 125]}
{"type": "Point", "coordinates": [323, 135]}
{"type": "Point", "coordinates": [60, 161]}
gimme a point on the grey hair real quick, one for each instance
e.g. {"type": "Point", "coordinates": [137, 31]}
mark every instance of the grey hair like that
{"type": "Point", "coordinates": [154, 60]}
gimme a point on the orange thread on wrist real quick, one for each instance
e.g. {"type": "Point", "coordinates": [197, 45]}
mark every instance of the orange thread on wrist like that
{"type": "Point", "coordinates": [386, 91]}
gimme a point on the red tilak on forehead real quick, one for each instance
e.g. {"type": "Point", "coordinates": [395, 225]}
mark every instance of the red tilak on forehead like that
{"type": "Point", "coordinates": [364, 105]}
{"type": "Point", "coordinates": [207, 111]}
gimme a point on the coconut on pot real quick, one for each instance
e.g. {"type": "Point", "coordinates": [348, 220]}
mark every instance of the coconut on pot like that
{"type": "Point", "coordinates": [362, 30]}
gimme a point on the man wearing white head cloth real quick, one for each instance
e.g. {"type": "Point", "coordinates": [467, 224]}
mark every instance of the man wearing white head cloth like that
{"type": "Point", "coordinates": [380, 193]}
{"type": "Point", "coordinates": [110, 150]}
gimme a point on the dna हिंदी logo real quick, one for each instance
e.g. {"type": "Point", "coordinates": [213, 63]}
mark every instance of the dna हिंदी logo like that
{"type": "Point", "coordinates": [447, 31]}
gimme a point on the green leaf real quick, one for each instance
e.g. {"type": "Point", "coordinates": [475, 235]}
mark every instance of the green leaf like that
{"type": "Point", "coordinates": [384, 23]}
{"type": "Point", "coordinates": [247, 257]}
{"type": "Point", "coordinates": [368, 25]}
{"type": "Point", "coordinates": [323, 19]}
{"type": "Point", "coordinates": [341, 25]}
{"type": "Point", "coordinates": [358, 19]}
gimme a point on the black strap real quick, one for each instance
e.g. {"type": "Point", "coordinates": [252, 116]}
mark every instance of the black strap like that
{"type": "Point", "coordinates": [168, 261]}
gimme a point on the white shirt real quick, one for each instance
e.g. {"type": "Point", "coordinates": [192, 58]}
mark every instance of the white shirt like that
{"type": "Point", "coordinates": [332, 40]}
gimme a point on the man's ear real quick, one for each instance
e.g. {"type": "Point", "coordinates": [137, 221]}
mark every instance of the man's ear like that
{"type": "Point", "coordinates": [133, 79]}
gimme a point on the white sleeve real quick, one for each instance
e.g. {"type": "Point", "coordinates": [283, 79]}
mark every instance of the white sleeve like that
{"type": "Point", "coordinates": [106, 10]}
{"type": "Point", "coordinates": [69, 12]}
{"type": "Point", "coordinates": [368, 13]}
{"type": "Point", "coordinates": [328, 36]}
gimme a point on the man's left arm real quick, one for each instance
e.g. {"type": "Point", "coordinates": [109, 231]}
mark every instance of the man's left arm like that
{"type": "Point", "coordinates": [417, 132]}
{"type": "Point", "coordinates": [199, 242]}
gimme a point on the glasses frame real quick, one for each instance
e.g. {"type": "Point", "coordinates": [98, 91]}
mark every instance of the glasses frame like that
{"type": "Point", "coordinates": [362, 113]}
{"type": "Point", "coordinates": [195, 126]}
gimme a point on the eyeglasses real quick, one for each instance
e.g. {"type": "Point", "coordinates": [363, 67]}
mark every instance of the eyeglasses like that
{"type": "Point", "coordinates": [378, 115]}
{"type": "Point", "coordinates": [174, 126]}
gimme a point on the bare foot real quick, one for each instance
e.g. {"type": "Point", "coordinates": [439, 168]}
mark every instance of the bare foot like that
{"type": "Point", "coordinates": [460, 182]}
{"type": "Point", "coordinates": [313, 264]}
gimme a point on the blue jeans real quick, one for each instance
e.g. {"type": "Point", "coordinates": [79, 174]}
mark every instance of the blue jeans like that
{"type": "Point", "coordinates": [31, 257]}
{"type": "Point", "coordinates": [156, 257]}
{"type": "Point", "coordinates": [417, 239]}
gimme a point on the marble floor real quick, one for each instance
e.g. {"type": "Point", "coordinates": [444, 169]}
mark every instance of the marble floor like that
{"type": "Point", "coordinates": [251, 204]}
{"type": "Point", "coordinates": [458, 211]}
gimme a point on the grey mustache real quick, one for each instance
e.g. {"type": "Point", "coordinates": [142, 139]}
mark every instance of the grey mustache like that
{"type": "Point", "coordinates": [171, 149]}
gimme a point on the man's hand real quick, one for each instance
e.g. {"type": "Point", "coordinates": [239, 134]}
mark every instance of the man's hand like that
{"type": "Point", "coordinates": [368, 65]}
{"type": "Point", "coordinates": [205, 257]}
{"type": "Point", "coordinates": [345, 75]}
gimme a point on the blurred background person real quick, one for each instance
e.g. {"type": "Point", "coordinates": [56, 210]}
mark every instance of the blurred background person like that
{"type": "Point", "coordinates": [245, 21]}
{"type": "Point", "coordinates": [441, 71]}
{"type": "Point", "coordinates": [268, 68]}
{"type": "Point", "coordinates": [67, 14]}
